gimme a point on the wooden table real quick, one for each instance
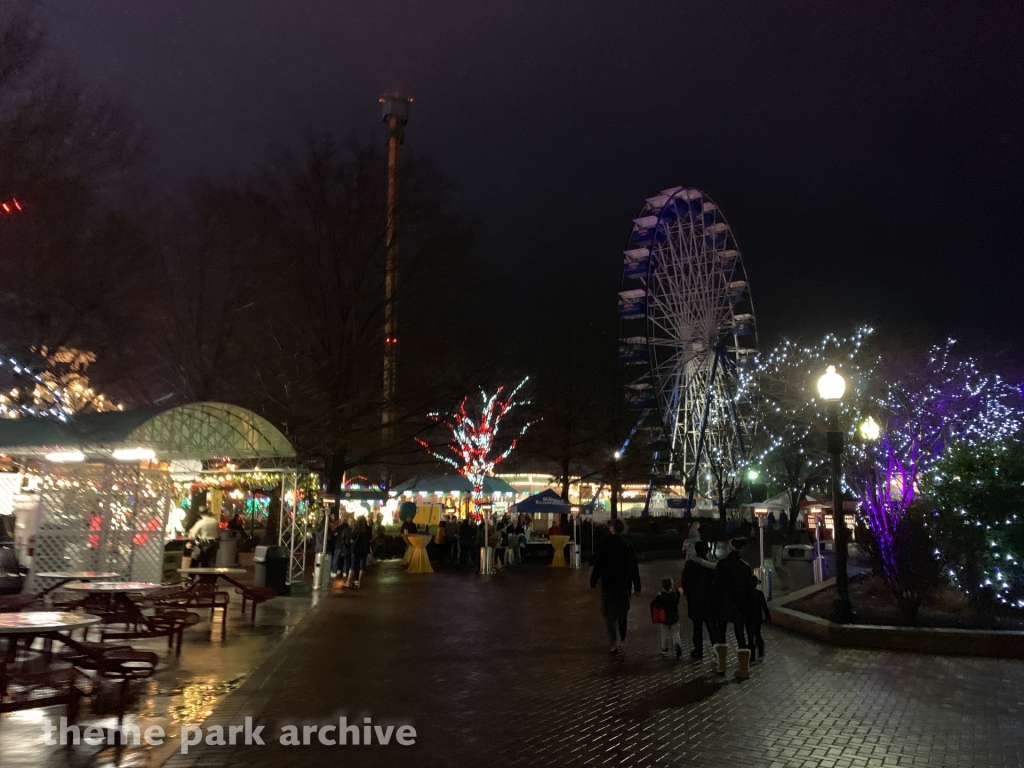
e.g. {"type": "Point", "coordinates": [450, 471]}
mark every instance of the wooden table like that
{"type": "Point", "coordinates": [419, 562]}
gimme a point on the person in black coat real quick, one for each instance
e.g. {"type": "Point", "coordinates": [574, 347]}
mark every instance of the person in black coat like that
{"type": "Point", "coordinates": [757, 609]}
{"type": "Point", "coordinates": [360, 551]}
{"type": "Point", "coordinates": [698, 573]}
{"type": "Point", "coordinates": [730, 593]}
{"type": "Point", "coordinates": [615, 566]}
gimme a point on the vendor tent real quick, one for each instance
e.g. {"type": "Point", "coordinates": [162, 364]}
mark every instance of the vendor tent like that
{"type": "Point", "coordinates": [105, 487]}
{"type": "Point", "coordinates": [775, 504]}
{"type": "Point", "coordinates": [545, 502]}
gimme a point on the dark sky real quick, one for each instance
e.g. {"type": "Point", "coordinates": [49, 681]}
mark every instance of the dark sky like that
{"type": "Point", "coordinates": [868, 155]}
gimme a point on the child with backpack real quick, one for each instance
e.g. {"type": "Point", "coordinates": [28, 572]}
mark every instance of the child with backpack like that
{"type": "Point", "coordinates": [665, 613]}
{"type": "Point", "coordinates": [758, 608]}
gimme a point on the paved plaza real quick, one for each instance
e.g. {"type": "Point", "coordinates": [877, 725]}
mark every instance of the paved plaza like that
{"type": "Point", "coordinates": [513, 670]}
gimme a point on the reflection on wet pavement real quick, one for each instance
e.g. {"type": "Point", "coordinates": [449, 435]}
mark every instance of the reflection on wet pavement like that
{"type": "Point", "coordinates": [185, 689]}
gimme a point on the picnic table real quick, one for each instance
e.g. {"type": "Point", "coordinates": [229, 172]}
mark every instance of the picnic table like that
{"type": "Point", "coordinates": [111, 598]}
{"type": "Point", "coordinates": [203, 589]}
{"type": "Point", "coordinates": [63, 577]}
{"type": "Point", "coordinates": [21, 630]}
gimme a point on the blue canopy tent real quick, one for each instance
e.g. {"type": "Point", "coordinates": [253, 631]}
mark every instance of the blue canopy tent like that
{"type": "Point", "coordinates": [547, 502]}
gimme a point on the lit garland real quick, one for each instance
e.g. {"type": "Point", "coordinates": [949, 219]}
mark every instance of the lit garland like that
{"type": "Point", "coordinates": [472, 445]}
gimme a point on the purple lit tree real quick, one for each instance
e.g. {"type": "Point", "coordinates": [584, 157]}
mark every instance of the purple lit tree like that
{"type": "Point", "coordinates": [922, 411]}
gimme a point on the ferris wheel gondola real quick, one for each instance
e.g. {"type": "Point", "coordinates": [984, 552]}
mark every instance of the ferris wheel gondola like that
{"type": "Point", "coordinates": [688, 326]}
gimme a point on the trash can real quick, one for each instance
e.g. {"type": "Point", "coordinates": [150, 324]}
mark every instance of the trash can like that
{"type": "Point", "coordinates": [271, 568]}
{"type": "Point", "coordinates": [174, 550]}
{"type": "Point", "coordinates": [227, 552]}
{"type": "Point", "coordinates": [798, 560]}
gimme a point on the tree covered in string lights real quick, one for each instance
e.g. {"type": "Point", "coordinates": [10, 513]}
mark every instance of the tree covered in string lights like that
{"type": "Point", "coordinates": [474, 449]}
{"type": "Point", "coordinates": [923, 411]}
{"type": "Point", "coordinates": [788, 442]}
{"type": "Point", "coordinates": [977, 492]}
{"type": "Point", "coordinates": [56, 385]}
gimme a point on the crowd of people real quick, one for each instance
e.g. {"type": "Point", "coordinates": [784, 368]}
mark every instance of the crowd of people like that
{"type": "Point", "coordinates": [458, 542]}
{"type": "Point", "coordinates": [718, 593]}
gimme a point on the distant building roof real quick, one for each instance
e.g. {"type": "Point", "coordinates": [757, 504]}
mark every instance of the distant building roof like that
{"type": "Point", "coordinates": [193, 431]}
{"type": "Point", "coordinates": [448, 484]}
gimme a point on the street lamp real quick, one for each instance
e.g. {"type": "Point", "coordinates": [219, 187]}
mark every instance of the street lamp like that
{"type": "Point", "coordinates": [831, 388]}
{"type": "Point", "coordinates": [870, 430]}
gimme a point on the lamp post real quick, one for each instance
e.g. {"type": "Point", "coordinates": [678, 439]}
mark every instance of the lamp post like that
{"type": "Point", "coordinates": [761, 513]}
{"type": "Point", "coordinates": [831, 388]}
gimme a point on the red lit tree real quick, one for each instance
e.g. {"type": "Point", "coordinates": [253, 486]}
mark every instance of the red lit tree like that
{"type": "Point", "coordinates": [474, 449]}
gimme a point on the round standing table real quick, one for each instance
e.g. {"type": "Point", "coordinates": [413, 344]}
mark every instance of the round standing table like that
{"type": "Point", "coordinates": [558, 543]}
{"type": "Point", "coordinates": [419, 562]}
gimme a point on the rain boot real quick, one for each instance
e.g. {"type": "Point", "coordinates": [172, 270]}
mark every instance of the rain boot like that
{"type": "Point", "coordinates": [720, 651]}
{"type": "Point", "coordinates": [743, 665]}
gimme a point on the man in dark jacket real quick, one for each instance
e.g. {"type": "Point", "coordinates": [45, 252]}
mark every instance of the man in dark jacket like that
{"type": "Point", "coordinates": [730, 593]}
{"type": "Point", "coordinates": [616, 568]}
{"type": "Point", "coordinates": [698, 573]}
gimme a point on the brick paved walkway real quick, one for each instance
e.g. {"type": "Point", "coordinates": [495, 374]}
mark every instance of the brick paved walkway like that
{"type": "Point", "coordinates": [514, 671]}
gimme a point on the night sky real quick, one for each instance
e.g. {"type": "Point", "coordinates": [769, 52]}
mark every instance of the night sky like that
{"type": "Point", "coordinates": [867, 155]}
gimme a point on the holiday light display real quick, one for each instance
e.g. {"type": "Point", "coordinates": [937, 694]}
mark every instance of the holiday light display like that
{"type": "Point", "coordinates": [60, 388]}
{"type": "Point", "coordinates": [473, 447]}
{"type": "Point", "coordinates": [788, 444]}
{"type": "Point", "coordinates": [948, 400]}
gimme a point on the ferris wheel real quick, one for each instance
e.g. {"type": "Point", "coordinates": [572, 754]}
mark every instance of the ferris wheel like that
{"type": "Point", "coordinates": [687, 328]}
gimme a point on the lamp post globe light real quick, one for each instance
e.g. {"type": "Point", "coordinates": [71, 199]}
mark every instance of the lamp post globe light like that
{"type": "Point", "coordinates": [831, 388]}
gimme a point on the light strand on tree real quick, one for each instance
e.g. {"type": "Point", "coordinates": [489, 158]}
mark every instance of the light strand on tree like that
{"type": "Point", "coordinates": [472, 450]}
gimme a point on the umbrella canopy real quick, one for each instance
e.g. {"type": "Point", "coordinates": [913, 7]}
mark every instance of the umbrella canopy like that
{"type": "Point", "coordinates": [546, 501]}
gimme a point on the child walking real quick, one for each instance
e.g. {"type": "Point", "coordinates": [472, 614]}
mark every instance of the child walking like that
{"type": "Point", "coordinates": [666, 604]}
{"type": "Point", "coordinates": [758, 608]}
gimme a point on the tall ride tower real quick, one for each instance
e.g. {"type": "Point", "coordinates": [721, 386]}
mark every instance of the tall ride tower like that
{"type": "Point", "coordinates": [396, 115]}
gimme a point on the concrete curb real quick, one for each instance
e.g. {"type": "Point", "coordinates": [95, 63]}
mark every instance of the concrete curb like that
{"type": "Point", "coordinates": [1000, 644]}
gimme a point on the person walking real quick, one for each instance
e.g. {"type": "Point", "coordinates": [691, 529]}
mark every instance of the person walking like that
{"type": "Point", "coordinates": [616, 568]}
{"type": "Point", "coordinates": [666, 603]}
{"type": "Point", "coordinates": [730, 593]}
{"type": "Point", "coordinates": [757, 609]}
{"type": "Point", "coordinates": [206, 537]}
{"type": "Point", "coordinates": [698, 574]}
{"type": "Point", "coordinates": [342, 550]}
{"type": "Point", "coordinates": [360, 551]}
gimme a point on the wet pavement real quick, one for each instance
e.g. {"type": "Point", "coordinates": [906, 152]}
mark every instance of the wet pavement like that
{"type": "Point", "coordinates": [185, 689]}
{"type": "Point", "coordinates": [514, 670]}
